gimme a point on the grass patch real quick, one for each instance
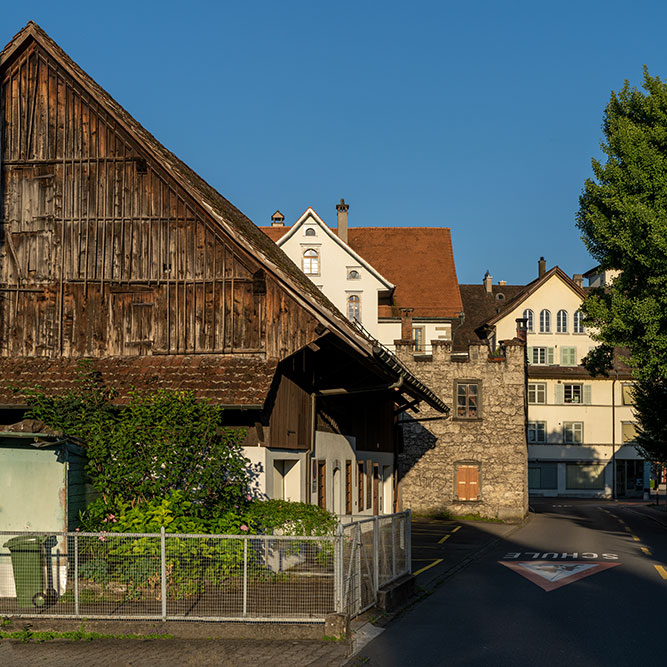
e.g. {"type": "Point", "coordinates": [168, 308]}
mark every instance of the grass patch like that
{"type": "Point", "coordinates": [26, 635]}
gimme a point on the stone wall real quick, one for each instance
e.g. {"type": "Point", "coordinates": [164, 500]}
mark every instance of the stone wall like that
{"type": "Point", "coordinates": [494, 442]}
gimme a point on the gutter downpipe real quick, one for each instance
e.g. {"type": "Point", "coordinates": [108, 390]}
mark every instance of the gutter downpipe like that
{"type": "Point", "coordinates": [613, 434]}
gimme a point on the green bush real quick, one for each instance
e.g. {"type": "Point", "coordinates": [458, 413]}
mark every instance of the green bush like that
{"type": "Point", "coordinates": [291, 518]}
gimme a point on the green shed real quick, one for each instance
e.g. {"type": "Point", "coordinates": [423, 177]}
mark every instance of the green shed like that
{"type": "Point", "coordinates": [43, 486]}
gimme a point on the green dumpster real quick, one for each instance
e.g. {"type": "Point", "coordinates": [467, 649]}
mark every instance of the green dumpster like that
{"type": "Point", "coordinates": [26, 553]}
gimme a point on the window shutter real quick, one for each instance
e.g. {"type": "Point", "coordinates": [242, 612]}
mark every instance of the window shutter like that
{"type": "Point", "coordinates": [560, 393]}
{"type": "Point", "coordinates": [530, 355]}
{"type": "Point", "coordinates": [462, 483]}
{"type": "Point", "coordinates": [563, 356]}
{"type": "Point", "coordinates": [587, 394]}
{"type": "Point", "coordinates": [473, 483]}
{"type": "Point", "coordinates": [550, 356]}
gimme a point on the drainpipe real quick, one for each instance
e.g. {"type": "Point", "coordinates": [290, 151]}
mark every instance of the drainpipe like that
{"type": "Point", "coordinates": [613, 434]}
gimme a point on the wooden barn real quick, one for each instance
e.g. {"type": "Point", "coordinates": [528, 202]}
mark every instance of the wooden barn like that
{"type": "Point", "coordinates": [113, 250]}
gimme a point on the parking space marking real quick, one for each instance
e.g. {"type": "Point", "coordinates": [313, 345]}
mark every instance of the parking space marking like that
{"type": "Point", "coordinates": [428, 567]}
{"type": "Point", "coordinates": [446, 537]}
{"type": "Point", "coordinates": [646, 550]}
{"type": "Point", "coordinates": [455, 529]}
{"type": "Point", "coordinates": [635, 538]}
{"type": "Point", "coordinates": [661, 571]}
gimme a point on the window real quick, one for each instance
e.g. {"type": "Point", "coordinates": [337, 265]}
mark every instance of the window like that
{"type": "Point", "coordinates": [542, 475]}
{"type": "Point", "coordinates": [354, 308]}
{"type": "Point", "coordinates": [541, 356]}
{"type": "Point", "coordinates": [418, 337]}
{"type": "Point", "coordinates": [311, 262]}
{"type": "Point", "coordinates": [536, 432]}
{"type": "Point", "coordinates": [467, 400]}
{"type": "Point", "coordinates": [348, 487]}
{"type": "Point", "coordinates": [573, 433]}
{"type": "Point", "coordinates": [578, 323]}
{"type": "Point", "coordinates": [584, 476]}
{"type": "Point", "coordinates": [628, 393]}
{"type": "Point", "coordinates": [561, 321]}
{"type": "Point", "coordinates": [467, 482]}
{"type": "Point", "coordinates": [353, 275]}
{"type": "Point", "coordinates": [573, 393]}
{"type": "Point", "coordinates": [568, 356]}
{"type": "Point", "coordinates": [537, 392]}
{"type": "Point", "coordinates": [310, 231]}
{"type": "Point", "coordinates": [629, 432]}
{"type": "Point", "coordinates": [360, 486]}
{"type": "Point", "coordinates": [500, 297]}
{"type": "Point", "coordinates": [545, 321]}
{"type": "Point", "coordinates": [529, 316]}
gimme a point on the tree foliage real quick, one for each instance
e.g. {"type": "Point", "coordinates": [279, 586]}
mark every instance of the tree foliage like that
{"type": "Point", "coordinates": [158, 443]}
{"type": "Point", "coordinates": [623, 218]}
{"type": "Point", "coordinates": [650, 400]}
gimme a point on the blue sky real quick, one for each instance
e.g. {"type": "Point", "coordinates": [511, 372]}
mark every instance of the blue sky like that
{"type": "Point", "coordinates": [479, 116]}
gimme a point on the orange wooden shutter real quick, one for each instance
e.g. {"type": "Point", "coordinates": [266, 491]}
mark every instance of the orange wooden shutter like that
{"type": "Point", "coordinates": [467, 482]}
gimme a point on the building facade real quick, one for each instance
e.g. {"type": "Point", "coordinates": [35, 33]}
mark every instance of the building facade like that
{"type": "Point", "coordinates": [580, 429]}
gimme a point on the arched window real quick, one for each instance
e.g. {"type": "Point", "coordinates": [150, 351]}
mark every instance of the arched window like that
{"type": "Point", "coordinates": [354, 308]}
{"type": "Point", "coordinates": [578, 322]}
{"type": "Point", "coordinates": [310, 231]}
{"type": "Point", "coordinates": [311, 262]}
{"type": "Point", "coordinates": [353, 275]}
{"type": "Point", "coordinates": [561, 321]}
{"type": "Point", "coordinates": [545, 321]}
{"type": "Point", "coordinates": [528, 315]}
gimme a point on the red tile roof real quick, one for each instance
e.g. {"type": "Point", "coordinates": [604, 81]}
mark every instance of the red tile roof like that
{"type": "Point", "coordinates": [220, 378]}
{"type": "Point", "coordinates": [418, 260]}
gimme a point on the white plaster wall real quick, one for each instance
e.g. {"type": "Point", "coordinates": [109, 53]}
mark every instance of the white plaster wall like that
{"type": "Point", "coordinates": [335, 264]}
{"type": "Point", "coordinates": [391, 331]}
{"type": "Point", "coordinates": [257, 458]}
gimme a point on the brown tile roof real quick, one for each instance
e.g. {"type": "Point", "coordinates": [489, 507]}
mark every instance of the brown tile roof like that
{"type": "Point", "coordinates": [418, 260]}
{"type": "Point", "coordinates": [219, 378]}
{"type": "Point", "coordinates": [479, 307]}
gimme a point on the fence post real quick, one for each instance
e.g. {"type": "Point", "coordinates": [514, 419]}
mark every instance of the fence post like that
{"type": "Point", "coordinates": [76, 575]}
{"type": "Point", "coordinates": [339, 569]}
{"type": "Point", "coordinates": [408, 540]}
{"type": "Point", "coordinates": [163, 572]}
{"type": "Point", "coordinates": [245, 577]}
{"type": "Point", "coordinates": [376, 555]}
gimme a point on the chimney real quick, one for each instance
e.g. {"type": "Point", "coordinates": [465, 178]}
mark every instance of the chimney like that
{"type": "Point", "coordinates": [488, 282]}
{"type": "Point", "coordinates": [342, 220]}
{"type": "Point", "coordinates": [578, 278]}
{"type": "Point", "coordinates": [502, 283]}
{"type": "Point", "coordinates": [521, 328]}
{"type": "Point", "coordinates": [406, 323]}
{"type": "Point", "coordinates": [277, 219]}
{"type": "Point", "coordinates": [541, 267]}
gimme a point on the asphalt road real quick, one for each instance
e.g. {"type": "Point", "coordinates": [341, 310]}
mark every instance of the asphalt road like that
{"type": "Point", "coordinates": [581, 583]}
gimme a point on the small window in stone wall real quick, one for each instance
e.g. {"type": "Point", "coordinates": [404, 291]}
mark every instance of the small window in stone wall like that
{"type": "Point", "coordinates": [467, 397]}
{"type": "Point", "coordinates": [467, 481]}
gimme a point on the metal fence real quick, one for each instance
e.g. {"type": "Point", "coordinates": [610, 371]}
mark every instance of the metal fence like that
{"type": "Point", "coordinates": [251, 578]}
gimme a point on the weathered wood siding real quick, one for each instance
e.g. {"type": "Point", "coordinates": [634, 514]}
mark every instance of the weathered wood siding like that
{"type": "Point", "coordinates": [104, 252]}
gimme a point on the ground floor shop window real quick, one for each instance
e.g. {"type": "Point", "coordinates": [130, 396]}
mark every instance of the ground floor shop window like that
{"type": "Point", "coordinates": [585, 476]}
{"type": "Point", "coordinates": [542, 475]}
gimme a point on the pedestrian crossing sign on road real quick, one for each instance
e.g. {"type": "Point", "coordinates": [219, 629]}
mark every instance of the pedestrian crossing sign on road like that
{"type": "Point", "coordinates": [550, 575]}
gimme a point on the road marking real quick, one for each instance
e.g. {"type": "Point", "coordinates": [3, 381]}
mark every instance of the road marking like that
{"type": "Point", "coordinates": [627, 530]}
{"type": "Point", "coordinates": [646, 551]}
{"type": "Point", "coordinates": [549, 576]}
{"type": "Point", "coordinates": [635, 538]}
{"type": "Point", "coordinates": [455, 529]}
{"type": "Point", "coordinates": [557, 555]}
{"type": "Point", "coordinates": [428, 567]}
{"type": "Point", "coordinates": [446, 537]}
{"type": "Point", "coordinates": [621, 520]}
{"type": "Point", "coordinates": [661, 571]}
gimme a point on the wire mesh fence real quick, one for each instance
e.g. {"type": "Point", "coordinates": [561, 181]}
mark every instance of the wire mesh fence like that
{"type": "Point", "coordinates": [201, 577]}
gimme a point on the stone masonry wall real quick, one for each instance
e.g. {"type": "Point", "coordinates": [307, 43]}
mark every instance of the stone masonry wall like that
{"type": "Point", "coordinates": [496, 441]}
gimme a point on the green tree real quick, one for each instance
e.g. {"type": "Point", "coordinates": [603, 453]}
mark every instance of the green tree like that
{"type": "Point", "coordinates": [623, 218]}
{"type": "Point", "coordinates": [159, 442]}
{"type": "Point", "coordinates": [650, 398]}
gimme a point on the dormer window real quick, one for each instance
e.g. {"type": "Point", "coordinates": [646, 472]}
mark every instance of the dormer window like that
{"type": "Point", "coordinates": [310, 231]}
{"type": "Point", "coordinates": [311, 262]}
{"type": "Point", "coordinates": [353, 275]}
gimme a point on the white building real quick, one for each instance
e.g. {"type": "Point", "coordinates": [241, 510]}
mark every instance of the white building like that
{"type": "Point", "coordinates": [577, 425]}
{"type": "Point", "coordinates": [373, 273]}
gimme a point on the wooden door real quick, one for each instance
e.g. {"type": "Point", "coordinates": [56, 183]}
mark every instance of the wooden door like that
{"type": "Point", "coordinates": [322, 484]}
{"type": "Point", "coordinates": [376, 488]}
